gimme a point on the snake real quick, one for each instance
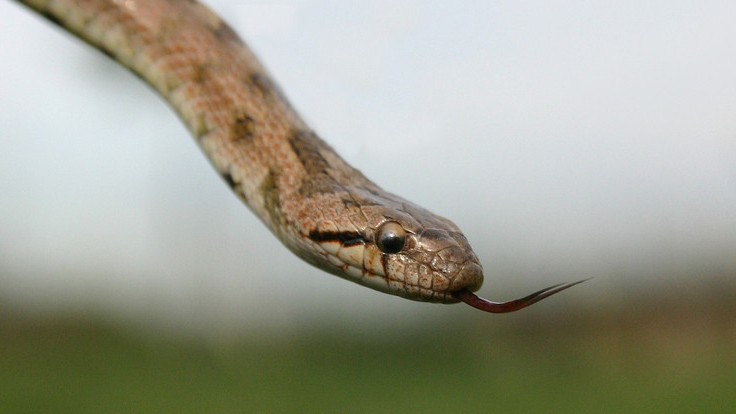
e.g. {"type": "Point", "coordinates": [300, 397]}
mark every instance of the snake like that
{"type": "Point", "coordinates": [321, 208]}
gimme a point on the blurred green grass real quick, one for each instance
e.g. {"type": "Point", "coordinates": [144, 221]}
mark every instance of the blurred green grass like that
{"type": "Point", "coordinates": [629, 360]}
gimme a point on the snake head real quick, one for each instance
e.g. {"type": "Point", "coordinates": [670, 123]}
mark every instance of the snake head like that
{"type": "Point", "coordinates": [396, 247]}
{"type": "Point", "coordinates": [434, 260]}
{"type": "Point", "coordinates": [389, 244]}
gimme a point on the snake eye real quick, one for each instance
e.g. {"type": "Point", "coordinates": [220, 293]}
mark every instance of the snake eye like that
{"type": "Point", "coordinates": [390, 237]}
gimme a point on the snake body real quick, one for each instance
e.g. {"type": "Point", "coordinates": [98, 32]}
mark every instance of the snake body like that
{"type": "Point", "coordinates": [321, 208]}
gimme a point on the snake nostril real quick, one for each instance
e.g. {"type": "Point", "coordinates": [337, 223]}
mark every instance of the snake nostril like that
{"type": "Point", "coordinates": [469, 277]}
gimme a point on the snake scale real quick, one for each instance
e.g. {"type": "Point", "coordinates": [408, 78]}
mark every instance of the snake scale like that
{"type": "Point", "coordinates": [325, 211]}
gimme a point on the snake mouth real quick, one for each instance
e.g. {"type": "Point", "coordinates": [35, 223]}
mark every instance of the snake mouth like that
{"type": "Point", "coordinates": [469, 277]}
{"type": "Point", "coordinates": [486, 305]}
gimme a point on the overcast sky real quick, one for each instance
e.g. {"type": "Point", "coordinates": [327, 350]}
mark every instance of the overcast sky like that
{"type": "Point", "coordinates": [567, 139]}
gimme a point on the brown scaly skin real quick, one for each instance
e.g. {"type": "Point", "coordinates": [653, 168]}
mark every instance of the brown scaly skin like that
{"type": "Point", "coordinates": [321, 208]}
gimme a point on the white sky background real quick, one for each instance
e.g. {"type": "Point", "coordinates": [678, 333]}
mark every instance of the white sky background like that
{"type": "Point", "coordinates": [568, 140]}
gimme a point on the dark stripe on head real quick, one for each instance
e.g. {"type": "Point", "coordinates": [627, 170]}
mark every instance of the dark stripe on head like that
{"type": "Point", "coordinates": [346, 238]}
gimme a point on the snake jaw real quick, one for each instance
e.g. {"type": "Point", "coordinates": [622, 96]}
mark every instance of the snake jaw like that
{"type": "Point", "coordinates": [485, 305]}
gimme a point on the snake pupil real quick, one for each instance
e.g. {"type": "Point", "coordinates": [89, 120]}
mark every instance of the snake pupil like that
{"type": "Point", "coordinates": [391, 237]}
